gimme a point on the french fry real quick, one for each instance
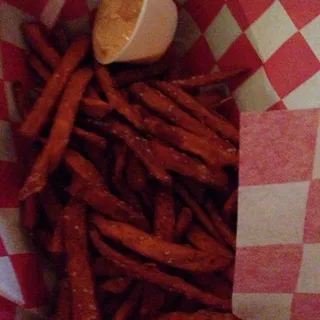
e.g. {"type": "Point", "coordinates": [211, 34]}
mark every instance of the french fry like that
{"type": "Point", "coordinates": [153, 275]}
{"type": "Point", "coordinates": [200, 315]}
{"type": "Point", "coordinates": [117, 285]}
{"type": "Point", "coordinates": [209, 99]}
{"type": "Point", "coordinates": [51, 156]}
{"type": "Point", "coordinates": [139, 145]}
{"type": "Point", "coordinates": [104, 268]}
{"type": "Point", "coordinates": [152, 301]}
{"type": "Point", "coordinates": [164, 215]}
{"type": "Point", "coordinates": [115, 98]}
{"type": "Point", "coordinates": [107, 204]}
{"type": "Point", "coordinates": [47, 101]}
{"type": "Point", "coordinates": [214, 121]}
{"type": "Point", "coordinates": [202, 241]}
{"type": "Point", "coordinates": [64, 307]}
{"type": "Point", "coordinates": [90, 137]}
{"type": "Point", "coordinates": [57, 243]}
{"type": "Point", "coordinates": [127, 77]}
{"type": "Point", "coordinates": [230, 207]}
{"type": "Point", "coordinates": [137, 175]}
{"type": "Point", "coordinates": [95, 108]}
{"type": "Point", "coordinates": [39, 67]}
{"type": "Point", "coordinates": [184, 222]}
{"type": "Point", "coordinates": [179, 162]}
{"type": "Point", "coordinates": [84, 305]}
{"type": "Point", "coordinates": [208, 79]}
{"type": "Point", "coordinates": [196, 189]}
{"type": "Point", "coordinates": [130, 305]}
{"type": "Point", "coordinates": [39, 43]}
{"type": "Point", "coordinates": [174, 255]}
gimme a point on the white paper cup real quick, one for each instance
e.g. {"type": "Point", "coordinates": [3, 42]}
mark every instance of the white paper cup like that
{"type": "Point", "coordinates": [153, 33]}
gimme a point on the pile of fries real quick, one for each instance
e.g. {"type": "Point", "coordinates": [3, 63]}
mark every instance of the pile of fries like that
{"type": "Point", "coordinates": [132, 184]}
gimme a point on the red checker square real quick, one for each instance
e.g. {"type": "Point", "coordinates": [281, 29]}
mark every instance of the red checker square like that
{"type": "Point", "coordinates": [301, 12]}
{"type": "Point", "coordinates": [32, 7]}
{"type": "Point", "coordinates": [13, 61]}
{"type": "Point", "coordinates": [240, 54]}
{"type": "Point", "coordinates": [7, 308]}
{"type": "Point", "coordinates": [312, 221]}
{"type": "Point", "coordinates": [278, 106]}
{"type": "Point", "coordinates": [291, 65]}
{"type": "Point", "coordinates": [204, 11]}
{"type": "Point", "coordinates": [74, 9]}
{"type": "Point", "coordinates": [267, 269]}
{"type": "Point", "coordinates": [10, 182]}
{"type": "Point", "coordinates": [278, 146]}
{"type": "Point", "coordinates": [3, 102]}
{"type": "Point", "coordinates": [199, 58]}
{"type": "Point", "coordinates": [30, 276]}
{"type": "Point", "coordinates": [3, 251]}
{"type": "Point", "coordinates": [305, 306]}
{"type": "Point", "coordinates": [247, 11]}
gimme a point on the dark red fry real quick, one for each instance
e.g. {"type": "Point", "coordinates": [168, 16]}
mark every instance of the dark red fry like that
{"type": "Point", "coordinates": [183, 224]}
{"type": "Point", "coordinates": [174, 255]}
{"type": "Point", "coordinates": [152, 301]}
{"type": "Point", "coordinates": [39, 67]}
{"type": "Point", "coordinates": [39, 43]}
{"type": "Point", "coordinates": [137, 175]}
{"type": "Point", "coordinates": [164, 214]}
{"type": "Point", "coordinates": [84, 305]}
{"type": "Point", "coordinates": [107, 204]}
{"type": "Point", "coordinates": [199, 315]}
{"type": "Point", "coordinates": [90, 137]}
{"type": "Point", "coordinates": [102, 267]}
{"type": "Point", "coordinates": [208, 79]}
{"type": "Point", "coordinates": [127, 77]}
{"type": "Point", "coordinates": [64, 306]}
{"type": "Point", "coordinates": [51, 205]}
{"type": "Point", "coordinates": [179, 162]}
{"type": "Point", "coordinates": [95, 107]}
{"type": "Point", "coordinates": [211, 119]}
{"type": "Point", "coordinates": [115, 98]}
{"type": "Point", "coordinates": [45, 104]}
{"type": "Point", "coordinates": [153, 275]}
{"type": "Point", "coordinates": [117, 285]}
{"type": "Point", "coordinates": [130, 305]}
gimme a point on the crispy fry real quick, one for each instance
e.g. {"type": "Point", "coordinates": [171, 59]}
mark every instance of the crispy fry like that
{"type": "Point", "coordinates": [47, 101]}
{"type": "Point", "coordinates": [225, 232]}
{"type": "Point", "coordinates": [208, 79]}
{"type": "Point", "coordinates": [95, 108]}
{"type": "Point", "coordinates": [52, 153]}
{"type": "Point", "coordinates": [137, 175]}
{"type": "Point", "coordinates": [90, 137]}
{"type": "Point", "coordinates": [174, 255]}
{"type": "Point", "coordinates": [164, 215]}
{"type": "Point", "coordinates": [152, 301]}
{"type": "Point", "coordinates": [127, 77]}
{"type": "Point", "coordinates": [199, 213]}
{"type": "Point", "coordinates": [115, 98]}
{"type": "Point", "coordinates": [130, 305]}
{"type": "Point", "coordinates": [84, 305]}
{"type": "Point", "coordinates": [202, 241]}
{"type": "Point", "coordinates": [104, 268]}
{"type": "Point", "coordinates": [200, 315]}
{"type": "Point", "coordinates": [39, 67]}
{"type": "Point", "coordinates": [64, 307]}
{"type": "Point", "coordinates": [51, 205]}
{"type": "Point", "coordinates": [153, 275]}
{"type": "Point", "coordinates": [139, 145]}
{"type": "Point", "coordinates": [102, 201]}
{"type": "Point", "coordinates": [184, 140]}
{"type": "Point", "coordinates": [183, 223]}
{"type": "Point", "coordinates": [39, 43]}
{"type": "Point", "coordinates": [117, 285]}
{"type": "Point", "coordinates": [214, 121]}
{"type": "Point", "coordinates": [179, 162]}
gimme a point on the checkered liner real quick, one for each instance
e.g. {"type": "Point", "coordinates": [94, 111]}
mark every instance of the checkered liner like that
{"type": "Point", "coordinates": [278, 265]}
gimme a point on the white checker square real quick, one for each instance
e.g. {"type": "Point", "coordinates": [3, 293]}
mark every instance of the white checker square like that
{"type": "Point", "coordinates": [271, 31]}
{"type": "Point", "coordinates": [256, 93]}
{"type": "Point", "coordinates": [14, 238]}
{"type": "Point", "coordinates": [222, 32]}
{"type": "Point", "coordinates": [51, 12]}
{"type": "Point", "coordinates": [9, 286]}
{"type": "Point", "coordinates": [14, 115]}
{"type": "Point", "coordinates": [187, 33]}
{"type": "Point", "coordinates": [306, 96]}
{"type": "Point", "coordinates": [262, 306]}
{"type": "Point", "coordinates": [316, 165]}
{"type": "Point", "coordinates": [11, 20]}
{"type": "Point", "coordinates": [281, 207]}
{"type": "Point", "coordinates": [311, 33]}
{"type": "Point", "coordinates": [309, 278]}
{"type": "Point", "coordinates": [7, 151]}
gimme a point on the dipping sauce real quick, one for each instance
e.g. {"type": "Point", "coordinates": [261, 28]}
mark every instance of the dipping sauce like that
{"type": "Point", "coordinates": [114, 25]}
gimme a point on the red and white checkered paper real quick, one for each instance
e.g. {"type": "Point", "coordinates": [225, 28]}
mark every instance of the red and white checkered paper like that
{"type": "Point", "coordinates": [278, 264]}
